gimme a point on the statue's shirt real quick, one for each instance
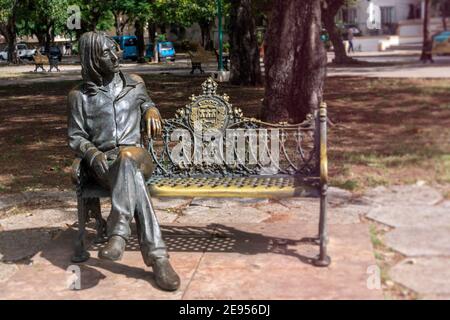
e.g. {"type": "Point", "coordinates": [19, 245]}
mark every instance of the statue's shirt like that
{"type": "Point", "coordinates": [97, 118]}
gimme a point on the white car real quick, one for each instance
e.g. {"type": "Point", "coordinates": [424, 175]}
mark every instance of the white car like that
{"type": "Point", "coordinates": [22, 51]}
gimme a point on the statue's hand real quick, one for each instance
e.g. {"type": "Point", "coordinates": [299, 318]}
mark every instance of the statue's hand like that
{"type": "Point", "coordinates": [99, 164]}
{"type": "Point", "coordinates": [153, 123]}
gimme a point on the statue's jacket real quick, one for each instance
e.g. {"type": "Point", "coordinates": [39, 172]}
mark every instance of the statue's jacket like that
{"type": "Point", "coordinates": [100, 120]}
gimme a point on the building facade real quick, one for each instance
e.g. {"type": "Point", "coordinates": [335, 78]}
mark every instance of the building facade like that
{"type": "Point", "coordinates": [392, 14]}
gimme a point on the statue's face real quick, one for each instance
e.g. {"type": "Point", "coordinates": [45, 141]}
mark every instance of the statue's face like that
{"type": "Point", "coordinates": [108, 60]}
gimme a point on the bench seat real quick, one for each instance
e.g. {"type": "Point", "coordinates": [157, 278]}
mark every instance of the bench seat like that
{"type": "Point", "coordinates": [272, 187]}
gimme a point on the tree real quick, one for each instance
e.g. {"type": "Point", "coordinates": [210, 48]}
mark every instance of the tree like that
{"type": "Point", "coordinates": [122, 11]}
{"type": "Point", "coordinates": [96, 15]}
{"type": "Point", "coordinates": [295, 70]}
{"type": "Point", "coordinates": [44, 19]}
{"type": "Point", "coordinates": [329, 10]}
{"type": "Point", "coordinates": [444, 9]}
{"type": "Point", "coordinates": [8, 17]}
{"type": "Point", "coordinates": [244, 51]}
{"type": "Point", "coordinates": [201, 11]}
{"type": "Point", "coordinates": [427, 41]}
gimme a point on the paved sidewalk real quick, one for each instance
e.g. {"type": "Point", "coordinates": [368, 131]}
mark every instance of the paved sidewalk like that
{"type": "Point", "coordinates": [238, 248]}
{"type": "Point", "coordinates": [222, 248]}
{"type": "Point", "coordinates": [233, 261]}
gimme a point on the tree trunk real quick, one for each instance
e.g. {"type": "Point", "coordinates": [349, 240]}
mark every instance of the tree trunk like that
{"type": "Point", "coordinates": [151, 31]}
{"type": "Point", "coordinates": [119, 27]}
{"type": "Point", "coordinates": [205, 28]}
{"type": "Point", "coordinates": [139, 26]}
{"type": "Point", "coordinates": [427, 41]}
{"type": "Point", "coordinates": [244, 51]}
{"type": "Point", "coordinates": [329, 10]}
{"type": "Point", "coordinates": [162, 27]}
{"type": "Point", "coordinates": [12, 38]}
{"type": "Point", "coordinates": [295, 70]}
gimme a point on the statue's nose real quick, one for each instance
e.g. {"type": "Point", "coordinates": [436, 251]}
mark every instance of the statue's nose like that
{"type": "Point", "coordinates": [114, 57]}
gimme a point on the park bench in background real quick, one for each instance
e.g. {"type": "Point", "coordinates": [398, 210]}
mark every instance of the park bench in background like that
{"type": "Point", "coordinates": [301, 169]}
{"type": "Point", "coordinates": [39, 61]}
{"type": "Point", "coordinates": [198, 57]}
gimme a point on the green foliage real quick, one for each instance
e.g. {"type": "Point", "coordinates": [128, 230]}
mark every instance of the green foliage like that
{"type": "Point", "coordinates": [39, 17]}
{"type": "Point", "coordinates": [5, 10]}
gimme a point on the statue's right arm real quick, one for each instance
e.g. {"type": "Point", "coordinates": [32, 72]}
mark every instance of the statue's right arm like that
{"type": "Point", "coordinates": [79, 138]}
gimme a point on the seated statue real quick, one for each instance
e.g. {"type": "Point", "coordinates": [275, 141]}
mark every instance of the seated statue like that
{"type": "Point", "coordinates": [106, 115]}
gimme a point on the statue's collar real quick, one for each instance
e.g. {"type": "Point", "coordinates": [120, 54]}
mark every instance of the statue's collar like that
{"type": "Point", "coordinates": [92, 89]}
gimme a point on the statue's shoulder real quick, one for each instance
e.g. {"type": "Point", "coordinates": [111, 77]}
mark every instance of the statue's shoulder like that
{"type": "Point", "coordinates": [75, 93]}
{"type": "Point", "coordinates": [133, 78]}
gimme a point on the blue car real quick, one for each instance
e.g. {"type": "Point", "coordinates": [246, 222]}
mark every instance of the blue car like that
{"type": "Point", "coordinates": [166, 51]}
{"type": "Point", "coordinates": [441, 43]}
{"type": "Point", "coordinates": [128, 45]}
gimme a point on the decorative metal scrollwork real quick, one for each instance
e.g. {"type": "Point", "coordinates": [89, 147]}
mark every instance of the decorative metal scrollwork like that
{"type": "Point", "coordinates": [296, 152]}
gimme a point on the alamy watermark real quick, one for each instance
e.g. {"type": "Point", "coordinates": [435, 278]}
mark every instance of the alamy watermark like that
{"type": "Point", "coordinates": [73, 279]}
{"type": "Point", "coordinates": [374, 279]}
{"type": "Point", "coordinates": [74, 19]}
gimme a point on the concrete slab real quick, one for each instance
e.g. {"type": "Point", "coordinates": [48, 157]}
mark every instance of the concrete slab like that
{"type": "Point", "coordinates": [420, 241]}
{"type": "Point", "coordinates": [273, 262]}
{"type": "Point", "coordinates": [7, 270]}
{"type": "Point", "coordinates": [428, 276]}
{"type": "Point", "coordinates": [307, 210]}
{"type": "Point", "coordinates": [409, 195]}
{"type": "Point", "coordinates": [170, 203]}
{"type": "Point", "coordinates": [408, 216]}
{"type": "Point", "coordinates": [232, 261]}
{"type": "Point", "coordinates": [40, 218]}
{"type": "Point", "coordinates": [198, 214]}
{"type": "Point", "coordinates": [227, 202]}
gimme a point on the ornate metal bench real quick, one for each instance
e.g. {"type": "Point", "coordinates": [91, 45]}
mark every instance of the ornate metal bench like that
{"type": "Point", "coordinates": [262, 160]}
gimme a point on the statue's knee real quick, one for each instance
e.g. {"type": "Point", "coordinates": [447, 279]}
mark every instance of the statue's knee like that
{"type": "Point", "coordinates": [140, 157]}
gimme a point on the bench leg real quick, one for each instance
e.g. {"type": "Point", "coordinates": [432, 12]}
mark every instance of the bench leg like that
{"type": "Point", "coordinates": [323, 260]}
{"type": "Point", "coordinates": [81, 254]}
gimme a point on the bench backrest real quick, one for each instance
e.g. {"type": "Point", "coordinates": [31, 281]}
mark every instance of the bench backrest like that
{"type": "Point", "coordinates": [209, 136]}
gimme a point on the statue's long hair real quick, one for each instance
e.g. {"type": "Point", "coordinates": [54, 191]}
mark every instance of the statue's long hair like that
{"type": "Point", "coordinates": [91, 48]}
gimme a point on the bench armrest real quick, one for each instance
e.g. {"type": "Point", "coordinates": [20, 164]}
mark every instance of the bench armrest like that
{"type": "Point", "coordinates": [323, 144]}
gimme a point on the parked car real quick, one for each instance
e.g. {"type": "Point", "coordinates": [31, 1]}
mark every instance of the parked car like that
{"type": "Point", "coordinates": [441, 43]}
{"type": "Point", "coordinates": [128, 45]}
{"type": "Point", "coordinates": [53, 52]}
{"type": "Point", "coordinates": [166, 51]}
{"type": "Point", "coordinates": [22, 51]}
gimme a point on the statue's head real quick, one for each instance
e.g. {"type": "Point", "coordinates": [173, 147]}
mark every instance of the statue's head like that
{"type": "Point", "coordinates": [99, 57]}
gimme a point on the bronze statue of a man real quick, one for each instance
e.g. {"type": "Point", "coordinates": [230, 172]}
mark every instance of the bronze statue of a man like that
{"type": "Point", "coordinates": [106, 115]}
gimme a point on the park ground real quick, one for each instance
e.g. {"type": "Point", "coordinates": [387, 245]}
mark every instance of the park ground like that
{"type": "Point", "coordinates": [387, 135]}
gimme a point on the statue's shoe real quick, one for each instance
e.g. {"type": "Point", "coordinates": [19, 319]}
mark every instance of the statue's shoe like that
{"type": "Point", "coordinates": [114, 249]}
{"type": "Point", "coordinates": [165, 276]}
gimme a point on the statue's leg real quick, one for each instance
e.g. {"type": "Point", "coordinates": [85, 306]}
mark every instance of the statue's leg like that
{"type": "Point", "coordinates": [149, 233]}
{"type": "Point", "coordinates": [123, 197]}
{"type": "Point", "coordinates": [81, 254]}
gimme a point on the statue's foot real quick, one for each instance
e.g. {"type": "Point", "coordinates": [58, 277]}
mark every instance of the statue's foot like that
{"type": "Point", "coordinates": [165, 276]}
{"type": "Point", "coordinates": [114, 249]}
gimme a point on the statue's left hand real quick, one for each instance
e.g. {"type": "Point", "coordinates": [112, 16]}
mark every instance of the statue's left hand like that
{"type": "Point", "coordinates": [153, 123]}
